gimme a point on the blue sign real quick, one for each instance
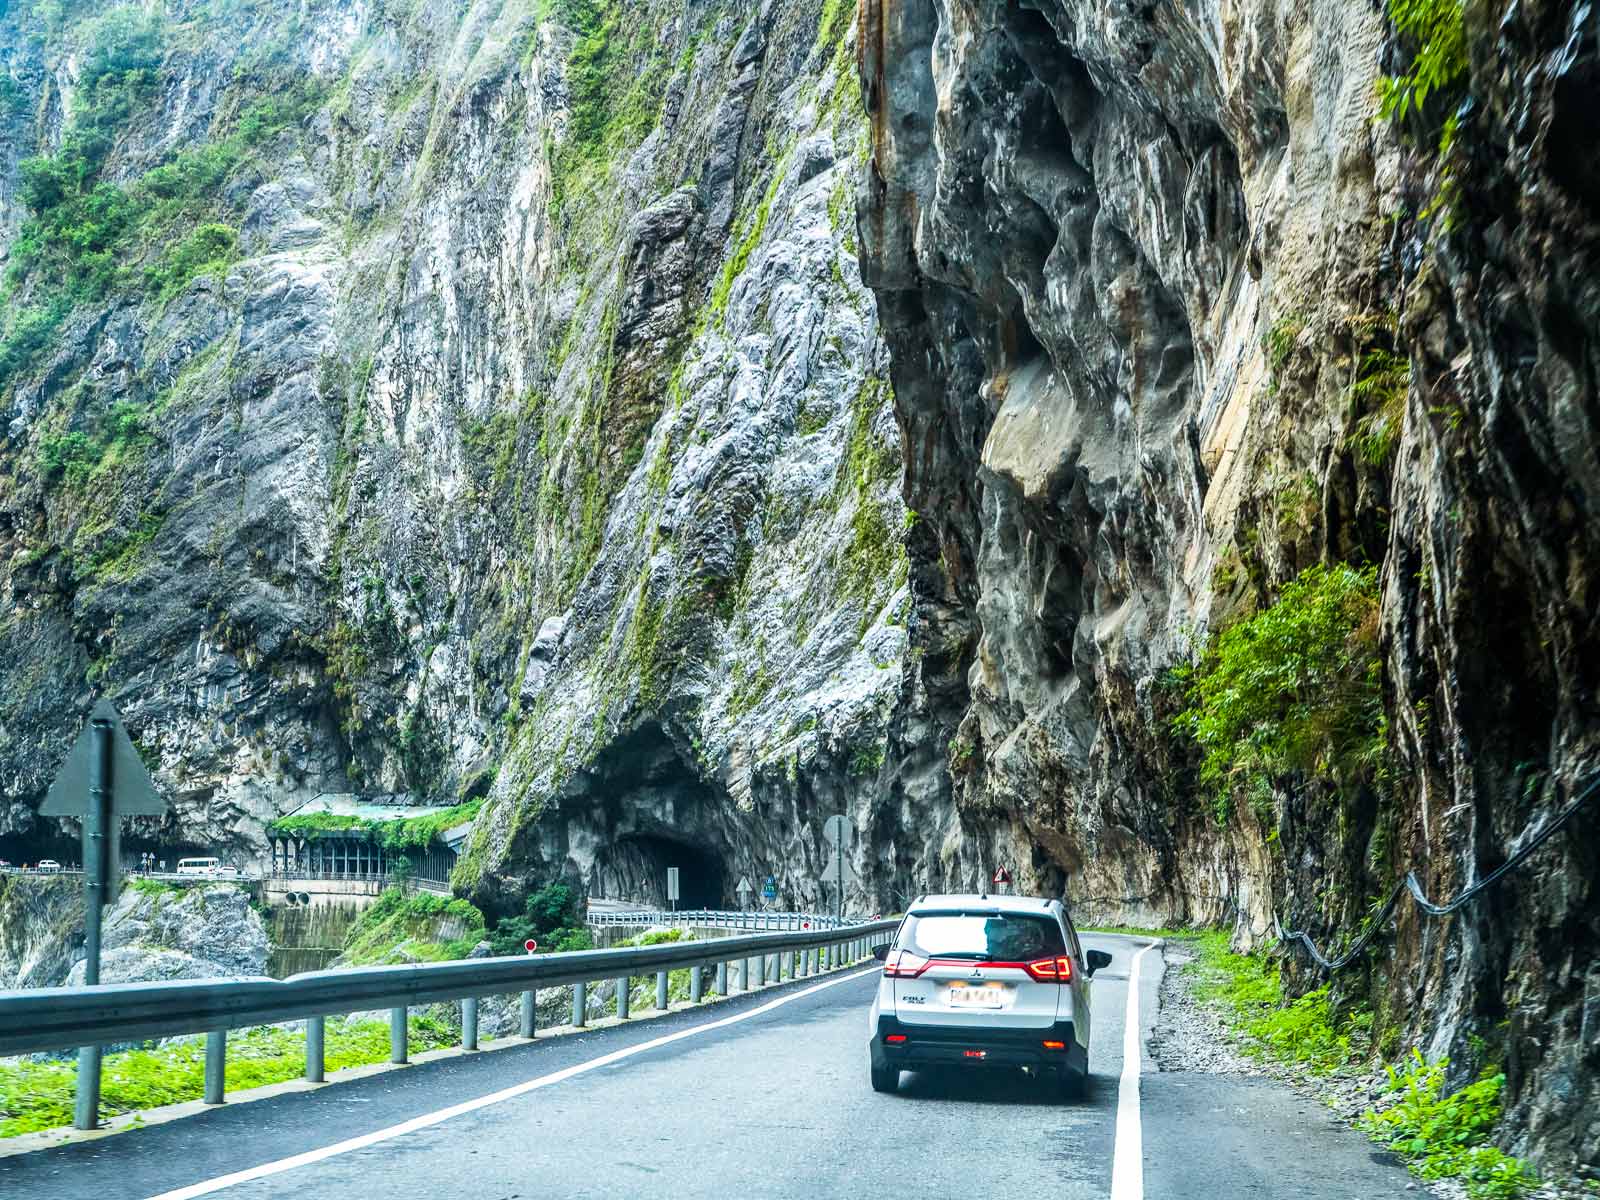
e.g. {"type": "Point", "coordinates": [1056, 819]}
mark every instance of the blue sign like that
{"type": "Point", "coordinates": [769, 889]}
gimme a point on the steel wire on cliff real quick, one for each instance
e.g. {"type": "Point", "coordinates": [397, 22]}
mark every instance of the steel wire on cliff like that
{"type": "Point", "coordinates": [1412, 884]}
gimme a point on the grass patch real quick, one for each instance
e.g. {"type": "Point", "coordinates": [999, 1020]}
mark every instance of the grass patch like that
{"type": "Point", "coordinates": [1304, 1032]}
{"type": "Point", "coordinates": [39, 1095]}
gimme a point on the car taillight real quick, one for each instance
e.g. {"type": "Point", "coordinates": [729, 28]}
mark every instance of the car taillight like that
{"type": "Point", "coordinates": [902, 964]}
{"type": "Point", "coordinates": [1050, 970]}
{"type": "Point", "coordinates": [896, 1038]}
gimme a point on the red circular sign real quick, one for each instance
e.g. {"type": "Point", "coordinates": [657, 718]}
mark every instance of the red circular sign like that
{"type": "Point", "coordinates": [530, 945]}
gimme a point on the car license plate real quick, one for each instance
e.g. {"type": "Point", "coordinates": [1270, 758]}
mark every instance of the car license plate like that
{"type": "Point", "coordinates": [978, 995]}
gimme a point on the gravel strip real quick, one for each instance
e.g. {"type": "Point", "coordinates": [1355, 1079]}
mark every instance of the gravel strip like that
{"type": "Point", "coordinates": [1190, 1035]}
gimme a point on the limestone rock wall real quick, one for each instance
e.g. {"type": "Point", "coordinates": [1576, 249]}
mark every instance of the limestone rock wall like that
{"type": "Point", "coordinates": [1131, 263]}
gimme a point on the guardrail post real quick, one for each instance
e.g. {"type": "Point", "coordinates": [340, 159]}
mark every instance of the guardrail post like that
{"type": "Point", "coordinates": [397, 1035]}
{"type": "Point", "coordinates": [529, 1014]}
{"type": "Point", "coordinates": [86, 1104]}
{"type": "Point", "coordinates": [216, 1065]}
{"type": "Point", "coordinates": [622, 998]}
{"type": "Point", "coordinates": [696, 983]}
{"type": "Point", "coordinates": [469, 1023]}
{"type": "Point", "coordinates": [722, 979]}
{"type": "Point", "coordinates": [760, 962]}
{"type": "Point", "coordinates": [777, 967]}
{"type": "Point", "coordinates": [316, 1030]}
{"type": "Point", "coordinates": [661, 991]}
{"type": "Point", "coordinates": [580, 1004]}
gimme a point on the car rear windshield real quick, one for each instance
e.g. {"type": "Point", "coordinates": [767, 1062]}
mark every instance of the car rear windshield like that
{"type": "Point", "coordinates": [980, 936]}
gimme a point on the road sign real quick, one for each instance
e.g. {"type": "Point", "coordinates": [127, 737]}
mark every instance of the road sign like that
{"type": "Point", "coordinates": [744, 888]}
{"type": "Point", "coordinates": [102, 781]}
{"type": "Point", "coordinates": [673, 893]}
{"type": "Point", "coordinates": [769, 889]}
{"type": "Point", "coordinates": [133, 793]}
{"type": "Point", "coordinates": [837, 830]}
{"type": "Point", "coordinates": [530, 945]}
{"type": "Point", "coordinates": [837, 866]}
{"type": "Point", "coordinates": [1001, 875]}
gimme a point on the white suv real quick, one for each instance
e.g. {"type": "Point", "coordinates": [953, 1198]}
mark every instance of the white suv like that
{"type": "Point", "coordinates": [984, 981]}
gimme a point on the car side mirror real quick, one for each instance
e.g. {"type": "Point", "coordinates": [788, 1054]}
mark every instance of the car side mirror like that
{"type": "Point", "coordinates": [880, 952]}
{"type": "Point", "coordinates": [1098, 959]}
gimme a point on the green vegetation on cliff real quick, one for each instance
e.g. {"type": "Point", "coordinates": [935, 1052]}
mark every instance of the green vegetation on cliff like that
{"type": "Point", "coordinates": [420, 927]}
{"type": "Point", "coordinates": [550, 917]}
{"type": "Point", "coordinates": [1295, 688]}
{"type": "Point", "coordinates": [85, 236]}
{"type": "Point", "coordinates": [409, 833]}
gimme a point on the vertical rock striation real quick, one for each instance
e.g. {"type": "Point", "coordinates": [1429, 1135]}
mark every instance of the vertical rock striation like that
{"type": "Point", "coordinates": [1172, 317]}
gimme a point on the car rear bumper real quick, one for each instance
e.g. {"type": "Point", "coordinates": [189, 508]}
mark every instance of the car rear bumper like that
{"type": "Point", "coordinates": [942, 1046]}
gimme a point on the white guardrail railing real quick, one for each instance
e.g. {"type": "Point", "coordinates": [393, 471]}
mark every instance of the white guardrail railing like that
{"type": "Point", "coordinates": [708, 918]}
{"type": "Point", "coordinates": [46, 1019]}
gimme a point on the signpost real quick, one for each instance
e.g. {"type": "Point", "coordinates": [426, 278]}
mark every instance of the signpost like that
{"type": "Point", "coordinates": [673, 894]}
{"type": "Point", "coordinates": [836, 830]}
{"type": "Point", "coordinates": [769, 889]}
{"type": "Point", "coordinates": [102, 781]}
{"type": "Point", "coordinates": [1001, 877]}
{"type": "Point", "coordinates": [745, 891]}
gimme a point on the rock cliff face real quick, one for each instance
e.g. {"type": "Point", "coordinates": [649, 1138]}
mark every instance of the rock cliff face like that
{"type": "Point", "coordinates": [150, 933]}
{"type": "Point", "coordinates": [1173, 316]}
{"type": "Point", "coordinates": [463, 400]}
{"type": "Point", "coordinates": [506, 400]}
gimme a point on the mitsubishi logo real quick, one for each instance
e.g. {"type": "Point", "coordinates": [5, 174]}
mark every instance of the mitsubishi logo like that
{"type": "Point", "coordinates": [977, 973]}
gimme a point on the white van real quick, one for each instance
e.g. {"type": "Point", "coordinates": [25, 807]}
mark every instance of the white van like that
{"type": "Point", "coordinates": [203, 868]}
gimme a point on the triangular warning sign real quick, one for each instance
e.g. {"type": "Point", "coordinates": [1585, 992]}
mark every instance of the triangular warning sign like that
{"type": "Point", "coordinates": [133, 792]}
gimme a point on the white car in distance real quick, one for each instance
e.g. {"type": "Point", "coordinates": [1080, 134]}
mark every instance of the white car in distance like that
{"type": "Point", "coordinates": [984, 981]}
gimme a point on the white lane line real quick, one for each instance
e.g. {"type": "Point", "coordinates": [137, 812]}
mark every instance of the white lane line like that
{"type": "Point", "coordinates": [1127, 1160]}
{"type": "Point", "coordinates": [209, 1186]}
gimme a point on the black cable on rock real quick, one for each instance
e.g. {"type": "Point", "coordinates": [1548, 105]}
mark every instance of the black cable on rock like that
{"type": "Point", "coordinates": [1412, 884]}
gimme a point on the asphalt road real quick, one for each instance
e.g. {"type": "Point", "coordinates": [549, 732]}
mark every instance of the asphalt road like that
{"type": "Point", "coordinates": [761, 1096]}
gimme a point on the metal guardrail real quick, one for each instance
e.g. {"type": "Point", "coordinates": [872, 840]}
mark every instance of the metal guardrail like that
{"type": "Point", "coordinates": [708, 918]}
{"type": "Point", "coordinates": [44, 1019]}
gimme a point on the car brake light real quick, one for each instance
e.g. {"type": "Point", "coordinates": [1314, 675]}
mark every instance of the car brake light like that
{"type": "Point", "coordinates": [1055, 1045]}
{"type": "Point", "coordinates": [1050, 970]}
{"type": "Point", "coordinates": [895, 1037]}
{"type": "Point", "coordinates": [902, 964]}
{"type": "Point", "coordinates": [975, 1054]}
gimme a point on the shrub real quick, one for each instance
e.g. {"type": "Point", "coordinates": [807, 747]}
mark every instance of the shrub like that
{"type": "Point", "coordinates": [551, 917]}
{"type": "Point", "coordinates": [208, 249]}
{"type": "Point", "coordinates": [1446, 1136]}
{"type": "Point", "coordinates": [1297, 687]}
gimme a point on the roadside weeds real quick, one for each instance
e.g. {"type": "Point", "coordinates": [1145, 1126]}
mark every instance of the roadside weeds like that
{"type": "Point", "coordinates": [1224, 1013]}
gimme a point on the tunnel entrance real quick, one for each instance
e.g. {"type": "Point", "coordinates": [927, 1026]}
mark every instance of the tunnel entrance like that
{"type": "Point", "coordinates": [634, 871]}
{"type": "Point", "coordinates": [18, 849]}
{"type": "Point", "coordinates": [643, 809]}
